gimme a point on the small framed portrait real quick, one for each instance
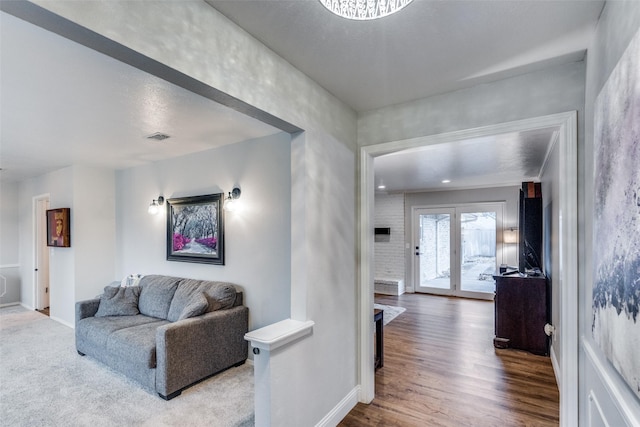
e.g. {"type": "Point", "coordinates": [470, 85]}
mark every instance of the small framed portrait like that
{"type": "Point", "coordinates": [58, 228]}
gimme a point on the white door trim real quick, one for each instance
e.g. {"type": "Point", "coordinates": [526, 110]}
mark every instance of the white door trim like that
{"type": "Point", "coordinates": [568, 222]}
{"type": "Point", "coordinates": [36, 242]}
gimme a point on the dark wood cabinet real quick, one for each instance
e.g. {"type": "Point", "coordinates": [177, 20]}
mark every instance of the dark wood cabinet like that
{"type": "Point", "coordinates": [521, 311]}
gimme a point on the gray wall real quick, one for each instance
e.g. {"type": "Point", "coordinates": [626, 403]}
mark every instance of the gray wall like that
{"type": "Point", "coordinates": [551, 254]}
{"type": "Point", "coordinates": [599, 382]}
{"type": "Point", "coordinates": [256, 237]}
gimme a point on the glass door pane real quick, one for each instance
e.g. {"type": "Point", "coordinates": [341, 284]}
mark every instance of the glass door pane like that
{"type": "Point", "coordinates": [478, 251]}
{"type": "Point", "coordinates": [433, 250]}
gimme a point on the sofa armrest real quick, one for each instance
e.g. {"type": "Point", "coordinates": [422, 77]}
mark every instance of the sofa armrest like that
{"type": "Point", "coordinates": [195, 348]}
{"type": "Point", "coordinates": [87, 308]}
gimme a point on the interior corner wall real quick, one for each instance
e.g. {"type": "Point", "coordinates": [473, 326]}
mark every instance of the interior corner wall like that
{"type": "Point", "coordinates": [389, 254]}
{"type": "Point", "coordinates": [77, 272]}
{"type": "Point", "coordinates": [599, 381]}
{"type": "Point", "coordinates": [9, 244]}
{"type": "Point", "coordinates": [59, 186]}
{"type": "Point", "coordinates": [257, 238]}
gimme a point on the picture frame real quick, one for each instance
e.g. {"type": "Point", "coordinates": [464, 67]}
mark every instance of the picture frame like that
{"type": "Point", "coordinates": [616, 212]}
{"type": "Point", "coordinates": [195, 229]}
{"type": "Point", "coordinates": [59, 228]}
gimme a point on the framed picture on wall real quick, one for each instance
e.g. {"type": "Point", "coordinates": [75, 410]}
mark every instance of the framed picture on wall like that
{"type": "Point", "coordinates": [58, 228]}
{"type": "Point", "coordinates": [195, 229]}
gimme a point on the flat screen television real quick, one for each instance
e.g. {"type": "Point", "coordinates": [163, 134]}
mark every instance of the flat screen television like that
{"type": "Point", "coordinates": [530, 230]}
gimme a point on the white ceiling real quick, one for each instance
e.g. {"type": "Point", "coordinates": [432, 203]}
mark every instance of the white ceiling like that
{"type": "Point", "coordinates": [65, 104]}
{"type": "Point", "coordinates": [505, 159]}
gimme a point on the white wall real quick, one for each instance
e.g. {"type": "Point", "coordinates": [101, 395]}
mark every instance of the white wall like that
{"type": "Point", "coordinates": [510, 195]}
{"type": "Point", "coordinates": [257, 238]}
{"type": "Point", "coordinates": [322, 366]}
{"type": "Point", "coordinates": [9, 243]}
{"type": "Point", "coordinates": [619, 22]}
{"type": "Point", "coordinates": [94, 225]}
{"type": "Point", "coordinates": [389, 255]}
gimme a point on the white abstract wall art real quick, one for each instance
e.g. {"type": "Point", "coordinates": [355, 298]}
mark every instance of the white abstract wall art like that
{"type": "Point", "coordinates": [616, 226]}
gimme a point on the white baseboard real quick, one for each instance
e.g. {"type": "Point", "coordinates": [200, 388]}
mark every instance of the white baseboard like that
{"type": "Point", "coordinates": [9, 304]}
{"type": "Point", "coordinates": [341, 409]}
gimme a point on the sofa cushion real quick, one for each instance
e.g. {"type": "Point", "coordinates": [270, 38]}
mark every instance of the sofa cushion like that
{"type": "Point", "coordinates": [96, 330]}
{"type": "Point", "coordinates": [219, 295]}
{"type": "Point", "coordinates": [119, 301]}
{"type": "Point", "coordinates": [135, 344]}
{"type": "Point", "coordinates": [156, 295]}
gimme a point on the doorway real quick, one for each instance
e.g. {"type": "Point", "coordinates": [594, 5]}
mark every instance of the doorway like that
{"type": "Point", "coordinates": [565, 246]}
{"type": "Point", "coordinates": [41, 255]}
{"type": "Point", "coordinates": [456, 249]}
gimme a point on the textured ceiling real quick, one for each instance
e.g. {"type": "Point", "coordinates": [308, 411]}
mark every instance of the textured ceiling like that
{"type": "Point", "coordinates": [429, 47]}
{"type": "Point", "coordinates": [65, 104]}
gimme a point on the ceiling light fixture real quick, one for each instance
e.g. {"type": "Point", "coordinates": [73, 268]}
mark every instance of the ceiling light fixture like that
{"type": "Point", "coordinates": [446, 181]}
{"type": "Point", "coordinates": [363, 10]}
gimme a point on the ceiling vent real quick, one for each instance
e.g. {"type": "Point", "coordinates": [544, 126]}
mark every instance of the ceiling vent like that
{"type": "Point", "coordinates": [158, 136]}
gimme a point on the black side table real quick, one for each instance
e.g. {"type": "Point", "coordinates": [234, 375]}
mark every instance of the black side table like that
{"type": "Point", "coordinates": [379, 355]}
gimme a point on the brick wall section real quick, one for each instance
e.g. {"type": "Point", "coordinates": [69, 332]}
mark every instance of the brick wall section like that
{"type": "Point", "coordinates": [390, 255]}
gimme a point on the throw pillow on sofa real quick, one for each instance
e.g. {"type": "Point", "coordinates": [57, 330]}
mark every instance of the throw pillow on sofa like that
{"type": "Point", "coordinates": [219, 296]}
{"type": "Point", "coordinates": [157, 294]}
{"type": "Point", "coordinates": [118, 301]}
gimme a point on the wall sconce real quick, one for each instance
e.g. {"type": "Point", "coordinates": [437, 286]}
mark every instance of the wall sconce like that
{"type": "Point", "coordinates": [154, 207]}
{"type": "Point", "coordinates": [230, 203]}
{"type": "Point", "coordinates": [510, 235]}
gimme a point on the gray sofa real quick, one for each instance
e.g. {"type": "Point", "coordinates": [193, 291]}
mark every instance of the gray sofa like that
{"type": "Point", "coordinates": [167, 333]}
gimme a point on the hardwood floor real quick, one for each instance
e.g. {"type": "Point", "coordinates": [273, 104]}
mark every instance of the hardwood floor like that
{"type": "Point", "coordinates": [441, 369]}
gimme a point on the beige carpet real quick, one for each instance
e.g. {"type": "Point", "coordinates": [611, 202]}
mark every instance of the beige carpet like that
{"type": "Point", "coordinates": [44, 382]}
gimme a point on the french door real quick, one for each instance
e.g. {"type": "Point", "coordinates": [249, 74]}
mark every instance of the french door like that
{"type": "Point", "coordinates": [456, 249]}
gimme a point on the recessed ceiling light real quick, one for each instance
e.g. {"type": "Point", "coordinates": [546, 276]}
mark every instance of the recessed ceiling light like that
{"type": "Point", "coordinates": [158, 136]}
{"type": "Point", "coordinates": [381, 187]}
{"type": "Point", "coordinates": [446, 181]}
